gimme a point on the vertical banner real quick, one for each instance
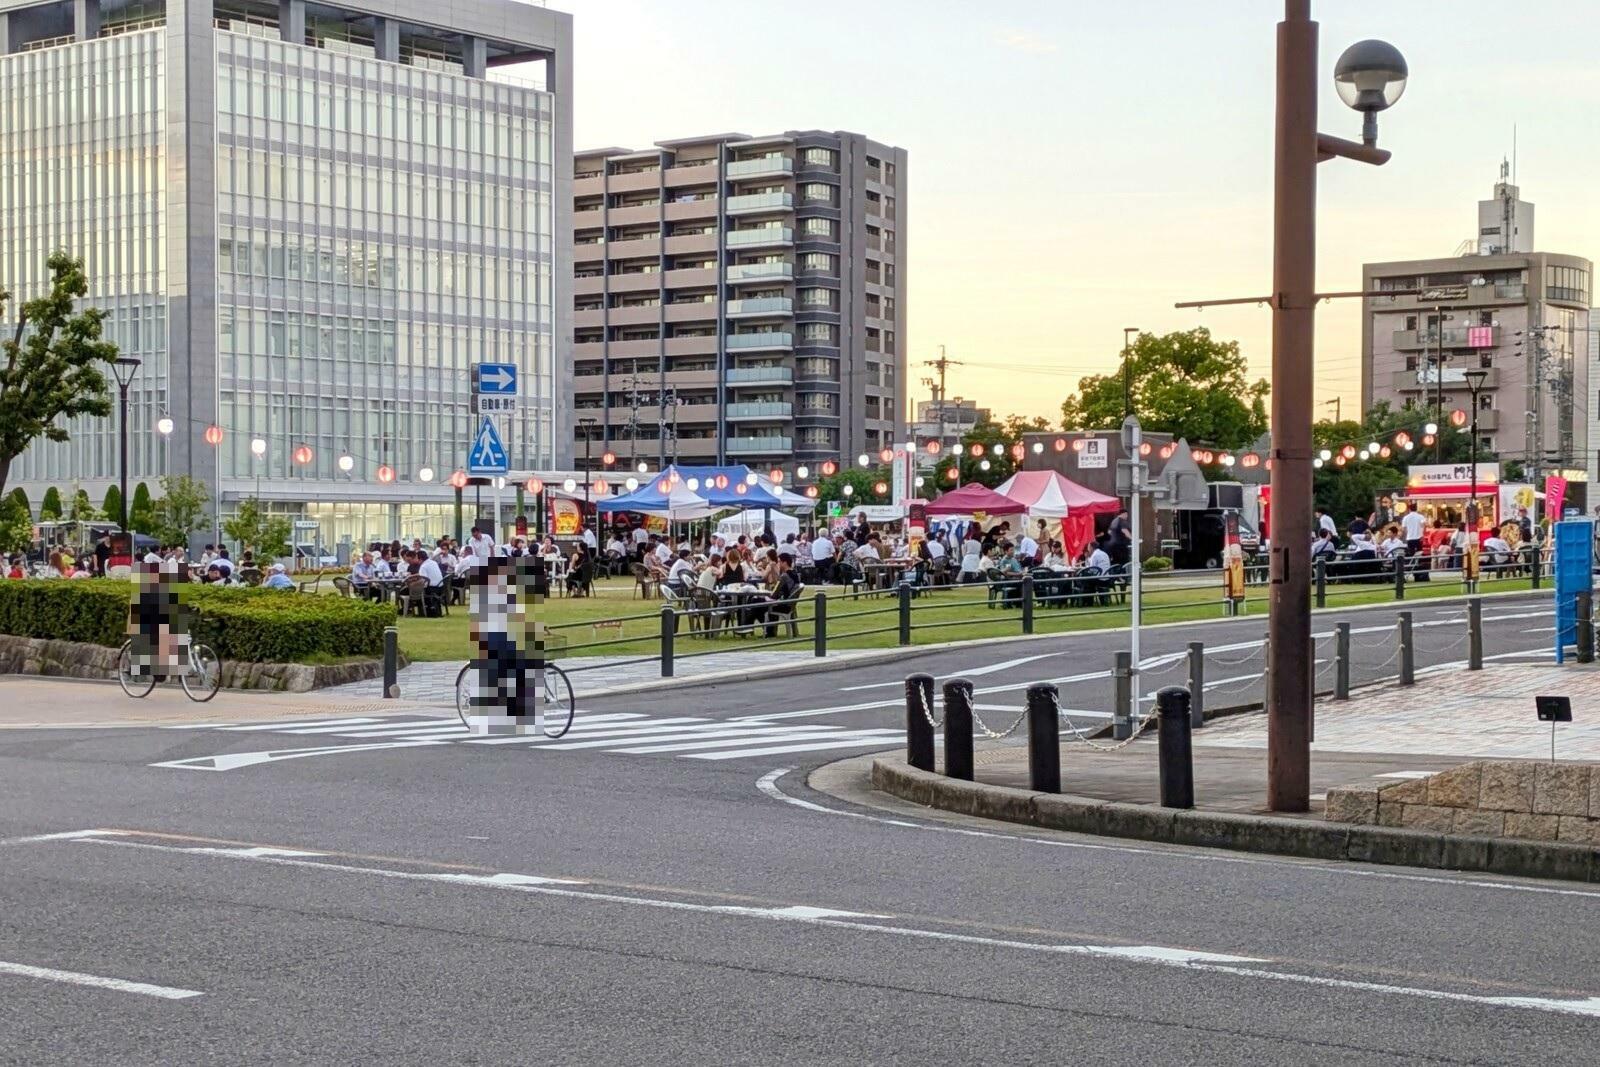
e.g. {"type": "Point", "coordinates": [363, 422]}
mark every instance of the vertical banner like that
{"type": "Point", "coordinates": [1469, 558]}
{"type": "Point", "coordinates": [902, 474]}
{"type": "Point", "coordinates": [1555, 497]}
{"type": "Point", "coordinates": [1232, 558]}
{"type": "Point", "coordinates": [566, 516]}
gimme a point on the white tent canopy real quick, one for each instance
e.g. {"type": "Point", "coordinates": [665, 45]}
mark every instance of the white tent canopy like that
{"type": "Point", "coordinates": [751, 523]}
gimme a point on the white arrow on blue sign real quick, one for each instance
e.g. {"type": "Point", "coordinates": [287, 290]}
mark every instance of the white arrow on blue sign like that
{"type": "Point", "coordinates": [495, 379]}
{"type": "Point", "coordinates": [488, 453]}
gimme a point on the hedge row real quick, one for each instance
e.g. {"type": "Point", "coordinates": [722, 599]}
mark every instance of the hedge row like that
{"type": "Point", "coordinates": [253, 625]}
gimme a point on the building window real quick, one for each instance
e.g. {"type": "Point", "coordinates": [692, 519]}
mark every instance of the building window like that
{"type": "Point", "coordinates": [816, 298]}
{"type": "Point", "coordinates": [819, 192]}
{"type": "Point", "coordinates": [820, 157]}
{"type": "Point", "coordinates": [1567, 283]}
{"type": "Point", "coordinates": [818, 333]}
{"type": "Point", "coordinates": [818, 227]}
{"type": "Point", "coordinates": [819, 263]}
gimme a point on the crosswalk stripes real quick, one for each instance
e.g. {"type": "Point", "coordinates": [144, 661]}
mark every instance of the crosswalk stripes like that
{"type": "Point", "coordinates": [626, 733]}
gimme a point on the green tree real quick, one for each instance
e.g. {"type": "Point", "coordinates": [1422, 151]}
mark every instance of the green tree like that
{"type": "Point", "coordinates": [1351, 488]}
{"type": "Point", "coordinates": [16, 526]}
{"type": "Point", "coordinates": [861, 481]}
{"type": "Point", "coordinates": [181, 509]}
{"type": "Point", "coordinates": [52, 366]}
{"type": "Point", "coordinates": [985, 435]}
{"type": "Point", "coordinates": [22, 499]}
{"type": "Point", "coordinates": [112, 504]}
{"type": "Point", "coordinates": [1183, 383]}
{"type": "Point", "coordinates": [141, 510]}
{"type": "Point", "coordinates": [255, 528]}
{"type": "Point", "coordinates": [83, 509]}
{"type": "Point", "coordinates": [50, 506]}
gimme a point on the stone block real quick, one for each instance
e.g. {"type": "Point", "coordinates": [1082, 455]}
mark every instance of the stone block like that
{"type": "Point", "coordinates": [1594, 794]}
{"type": "Point", "coordinates": [1427, 817]}
{"type": "Point", "coordinates": [1351, 804]}
{"type": "Point", "coordinates": [1506, 787]}
{"type": "Point", "coordinates": [1532, 827]}
{"type": "Point", "coordinates": [1390, 814]}
{"type": "Point", "coordinates": [1541, 859]}
{"type": "Point", "coordinates": [1413, 791]}
{"type": "Point", "coordinates": [1457, 787]}
{"type": "Point", "coordinates": [1561, 789]}
{"type": "Point", "coordinates": [1478, 823]}
{"type": "Point", "coordinates": [1408, 848]}
{"type": "Point", "coordinates": [1578, 830]}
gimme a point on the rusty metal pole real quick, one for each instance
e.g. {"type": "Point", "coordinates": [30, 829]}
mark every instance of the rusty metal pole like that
{"type": "Point", "coordinates": [1289, 692]}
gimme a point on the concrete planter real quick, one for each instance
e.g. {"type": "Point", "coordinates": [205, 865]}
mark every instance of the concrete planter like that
{"type": "Point", "coordinates": [70, 659]}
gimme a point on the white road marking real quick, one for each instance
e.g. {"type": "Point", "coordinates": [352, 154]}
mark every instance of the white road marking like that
{"type": "Point", "coordinates": [298, 727]}
{"type": "Point", "coordinates": [973, 672]}
{"type": "Point", "coordinates": [688, 733]}
{"type": "Point", "coordinates": [1405, 774]}
{"type": "Point", "coordinates": [620, 730]}
{"type": "Point", "coordinates": [410, 729]}
{"type": "Point", "coordinates": [803, 735]}
{"type": "Point", "coordinates": [235, 760]}
{"type": "Point", "coordinates": [70, 835]}
{"type": "Point", "coordinates": [857, 922]}
{"type": "Point", "coordinates": [818, 746]}
{"type": "Point", "coordinates": [50, 974]}
{"type": "Point", "coordinates": [252, 853]}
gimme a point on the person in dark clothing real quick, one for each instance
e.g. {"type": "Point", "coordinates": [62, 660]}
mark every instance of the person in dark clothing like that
{"type": "Point", "coordinates": [788, 588]}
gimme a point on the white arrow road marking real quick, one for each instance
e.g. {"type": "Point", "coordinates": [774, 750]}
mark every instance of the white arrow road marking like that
{"type": "Point", "coordinates": [234, 760]}
{"type": "Point", "coordinates": [70, 835]}
{"type": "Point", "coordinates": [864, 923]}
{"type": "Point", "coordinates": [50, 974]}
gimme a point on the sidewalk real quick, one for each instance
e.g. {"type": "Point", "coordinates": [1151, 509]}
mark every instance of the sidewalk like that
{"type": "Point", "coordinates": [31, 701]}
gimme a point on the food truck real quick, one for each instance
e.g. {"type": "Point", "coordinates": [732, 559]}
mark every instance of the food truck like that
{"type": "Point", "coordinates": [1441, 491]}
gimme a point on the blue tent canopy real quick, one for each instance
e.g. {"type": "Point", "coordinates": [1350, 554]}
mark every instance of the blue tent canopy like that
{"type": "Point", "coordinates": [680, 500]}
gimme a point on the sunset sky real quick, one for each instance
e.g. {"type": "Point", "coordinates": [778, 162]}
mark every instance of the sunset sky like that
{"type": "Point", "coordinates": [1078, 167]}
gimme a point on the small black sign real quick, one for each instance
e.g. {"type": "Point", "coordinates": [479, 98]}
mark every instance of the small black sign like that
{"type": "Point", "coordinates": [1554, 709]}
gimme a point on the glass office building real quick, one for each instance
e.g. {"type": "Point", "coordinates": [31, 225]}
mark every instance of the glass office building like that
{"type": "Point", "coordinates": [308, 222]}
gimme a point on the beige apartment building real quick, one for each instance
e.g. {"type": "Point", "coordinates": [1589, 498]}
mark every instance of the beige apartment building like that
{"type": "Point", "coordinates": [1521, 316]}
{"type": "Point", "coordinates": [739, 300]}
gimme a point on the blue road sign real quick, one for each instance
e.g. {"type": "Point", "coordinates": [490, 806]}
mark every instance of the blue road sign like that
{"type": "Point", "coordinates": [495, 379]}
{"type": "Point", "coordinates": [488, 453]}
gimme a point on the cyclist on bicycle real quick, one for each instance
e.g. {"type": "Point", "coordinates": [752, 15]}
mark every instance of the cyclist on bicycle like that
{"type": "Point", "coordinates": [158, 623]}
{"type": "Point", "coordinates": [509, 642]}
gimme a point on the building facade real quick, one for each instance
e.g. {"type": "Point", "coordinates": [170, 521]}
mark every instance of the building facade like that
{"type": "Point", "coordinates": [739, 300]}
{"type": "Point", "coordinates": [308, 221]}
{"type": "Point", "coordinates": [944, 421]}
{"type": "Point", "coordinates": [1519, 315]}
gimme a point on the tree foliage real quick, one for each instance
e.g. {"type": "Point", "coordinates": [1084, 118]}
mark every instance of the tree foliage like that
{"type": "Point", "coordinates": [141, 510]}
{"type": "Point", "coordinates": [181, 509]}
{"type": "Point", "coordinates": [986, 435]}
{"type": "Point", "coordinates": [50, 506]}
{"type": "Point", "coordinates": [21, 498]}
{"type": "Point", "coordinates": [111, 504]}
{"type": "Point", "coordinates": [52, 366]}
{"type": "Point", "coordinates": [1347, 491]}
{"type": "Point", "coordinates": [255, 528]}
{"type": "Point", "coordinates": [861, 481]}
{"type": "Point", "coordinates": [16, 526]}
{"type": "Point", "coordinates": [1184, 383]}
{"type": "Point", "coordinates": [83, 509]}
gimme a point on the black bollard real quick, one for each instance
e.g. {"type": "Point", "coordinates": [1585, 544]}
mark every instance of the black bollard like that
{"type": "Point", "coordinates": [919, 721]}
{"type": "Point", "coordinates": [958, 729]}
{"type": "Point", "coordinates": [1176, 753]}
{"type": "Point", "coordinates": [391, 662]}
{"type": "Point", "coordinates": [1399, 575]}
{"type": "Point", "coordinates": [1044, 739]}
{"type": "Point", "coordinates": [1584, 616]}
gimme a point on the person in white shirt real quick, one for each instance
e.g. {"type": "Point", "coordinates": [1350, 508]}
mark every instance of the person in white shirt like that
{"type": "Point", "coordinates": [590, 539]}
{"type": "Point", "coordinates": [1028, 551]}
{"type": "Point", "coordinates": [1391, 546]}
{"type": "Point", "coordinates": [480, 545]}
{"type": "Point", "coordinates": [1325, 522]}
{"type": "Point", "coordinates": [429, 569]}
{"type": "Point", "coordinates": [663, 553]}
{"type": "Point", "coordinates": [787, 548]}
{"type": "Point", "coordinates": [1414, 523]}
{"type": "Point", "coordinates": [1098, 558]}
{"type": "Point", "coordinates": [971, 559]}
{"type": "Point", "coordinates": [936, 549]}
{"type": "Point", "coordinates": [681, 573]}
{"type": "Point", "coordinates": [640, 536]}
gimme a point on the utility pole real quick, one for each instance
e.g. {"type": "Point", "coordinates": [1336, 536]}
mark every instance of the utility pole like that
{"type": "Point", "coordinates": [1334, 404]}
{"type": "Point", "coordinates": [941, 364]}
{"type": "Point", "coordinates": [633, 422]}
{"type": "Point", "coordinates": [1438, 386]}
{"type": "Point", "coordinates": [1128, 333]}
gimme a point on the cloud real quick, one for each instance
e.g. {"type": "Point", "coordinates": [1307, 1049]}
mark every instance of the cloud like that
{"type": "Point", "coordinates": [1025, 41]}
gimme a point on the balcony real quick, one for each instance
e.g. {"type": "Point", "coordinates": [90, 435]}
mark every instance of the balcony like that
{"type": "Point", "coordinates": [760, 237]}
{"type": "Point", "coordinates": [755, 203]}
{"type": "Point", "coordinates": [1424, 380]}
{"type": "Point", "coordinates": [748, 273]}
{"type": "Point", "coordinates": [759, 376]}
{"type": "Point", "coordinates": [770, 305]}
{"type": "Point", "coordinates": [762, 167]}
{"type": "Point", "coordinates": [764, 446]}
{"type": "Point", "coordinates": [691, 174]}
{"type": "Point", "coordinates": [1454, 337]}
{"type": "Point", "coordinates": [771, 409]}
{"type": "Point", "coordinates": [766, 340]}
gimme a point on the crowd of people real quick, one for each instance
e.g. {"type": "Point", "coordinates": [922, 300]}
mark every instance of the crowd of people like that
{"type": "Point", "coordinates": [1413, 538]}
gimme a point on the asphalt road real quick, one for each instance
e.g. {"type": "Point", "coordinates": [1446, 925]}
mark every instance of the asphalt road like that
{"type": "Point", "coordinates": [448, 901]}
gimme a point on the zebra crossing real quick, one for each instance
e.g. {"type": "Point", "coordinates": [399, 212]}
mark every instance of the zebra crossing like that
{"type": "Point", "coordinates": [624, 733]}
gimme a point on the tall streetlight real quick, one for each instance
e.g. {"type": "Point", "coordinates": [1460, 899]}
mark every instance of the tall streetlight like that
{"type": "Point", "coordinates": [124, 368]}
{"type": "Point", "coordinates": [1369, 76]}
{"type": "Point", "coordinates": [1438, 383]}
{"type": "Point", "coordinates": [258, 449]}
{"type": "Point", "coordinates": [1474, 386]}
{"type": "Point", "coordinates": [164, 427]}
{"type": "Point", "coordinates": [1128, 334]}
{"type": "Point", "coordinates": [587, 422]}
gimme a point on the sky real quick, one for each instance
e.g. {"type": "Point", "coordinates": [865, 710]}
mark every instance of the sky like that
{"type": "Point", "coordinates": [1077, 167]}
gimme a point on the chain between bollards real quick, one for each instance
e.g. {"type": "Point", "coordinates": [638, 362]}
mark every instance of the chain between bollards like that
{"type": "Point", "coordinates": [958, 729]}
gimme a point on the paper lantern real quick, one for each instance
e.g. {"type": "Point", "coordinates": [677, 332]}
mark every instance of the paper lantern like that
{"type": "Point", "coordinates": [458, 480]}
{"type": "Point", "coordinates": [302, 455]}
{"type": "Point", "coordinates": [213, 435]}
{"type": "Point", "coordinates": [976, 450]}
{"type": "Point", "coordinates": [608, 458]}
{"type": "Point", "coordinates": [829, 467]}
{"type": "Point", "coordinates": [880, 487]}
{"type": "Point", "coordinates": [886, 455]}
{"type": "Point", "coordinates": [1060, 444]}
{"type": "Point", "coordinates": [777, 476]}
{"type": "Point", "coordinates": [385, 474]}
{"type": "Point", "coordinates": [1458, 418]}
{"type": "Point", "coordinates": [534, 485]}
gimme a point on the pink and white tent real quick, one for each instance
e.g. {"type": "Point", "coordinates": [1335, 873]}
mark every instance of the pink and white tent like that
{"type": "Point", "coordinates": [1052, 495]}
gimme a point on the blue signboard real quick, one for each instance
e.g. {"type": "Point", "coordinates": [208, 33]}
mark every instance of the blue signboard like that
{"type": "Point", "coordinates": [488, 453]}
{"type": "Point", "coordinates": [494, 379]}
{"type": "Point", "coordinates": [1574, 562]}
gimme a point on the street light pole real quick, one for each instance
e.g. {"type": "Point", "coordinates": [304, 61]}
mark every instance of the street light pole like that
{"type": "Point", "coordinates": [587, 422]}
{"type": "Point", "coordinates": [1128, 333]}
{"type": "Point", "coordinates": [124, 368]}
{"type": "Point", "coordinates": [1474, 384]}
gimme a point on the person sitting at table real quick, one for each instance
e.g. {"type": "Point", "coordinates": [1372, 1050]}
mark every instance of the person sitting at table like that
{"type": "Point", "coordinates": [785, 591]}
{"type": "Point", "coordinates": [1498, 549]}
{"type": "Point", "coordinates": [868, 551]}
{"type": "Point", "coordinates": [1028, 550]}
{"type": "Point", "coordinates": [1008, 565]}
{"type": "Point", "coordinates": [361, 575]}
{"type": "Point", "coordinates": [1053, 557]}
{"type": "Point", "coordinates": [579, 567]}
{"type": "Point", "coordinates": [1098, 557]}
{"type": "Point", "coordinates": [681, 573]}
{"type": "Point", "coordinates": [278, 579]}
{"type": "Point", "coordinates": [616, 552]}
{"type": "Point", "coordinates": [1324, 545]}
{"type": "Point", "coordinates": [708, 574]}
{"type": "Point", "coordinates": [788, 548]}
{"type": "Point", "coordinates": [1392, 545]}
{"type": "Point", "coordinates": [732, 572]}
{"type": "Point", "coordinates": [663, 553]}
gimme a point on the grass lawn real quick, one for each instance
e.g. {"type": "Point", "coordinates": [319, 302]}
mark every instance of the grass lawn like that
{"type": "Point", "coordinates": [871, 621]}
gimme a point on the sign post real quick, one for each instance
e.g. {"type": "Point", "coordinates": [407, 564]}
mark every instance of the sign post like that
{"type": "Point", "coordinates": [1135, 471]}
{"type": "Point", "coordinates": [494, 391]}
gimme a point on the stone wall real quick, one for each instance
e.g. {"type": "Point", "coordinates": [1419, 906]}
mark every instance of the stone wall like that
{"type": "Point", "coordinates": [1486, 798]}
{"type": "Point", "coordinates": [71, 659]}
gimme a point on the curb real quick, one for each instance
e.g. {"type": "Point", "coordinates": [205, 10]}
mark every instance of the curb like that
{"type": "Point", "coordinates": [1244, 833]}
{"type": "Point", "coordinates": [873, 657]}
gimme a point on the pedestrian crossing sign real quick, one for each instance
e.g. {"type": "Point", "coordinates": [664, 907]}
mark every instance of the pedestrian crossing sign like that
{"type": "Point", "coordinates": [488, 453]}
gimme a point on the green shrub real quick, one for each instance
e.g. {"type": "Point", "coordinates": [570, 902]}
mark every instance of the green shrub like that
{"type": "Point", "coordinates": [1158, 563]}
{"type": "Point", "coordinates": [256, 625]}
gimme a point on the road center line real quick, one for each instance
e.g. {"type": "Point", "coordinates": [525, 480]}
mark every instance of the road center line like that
{"type": "Point", "coordinates": [50, 974]}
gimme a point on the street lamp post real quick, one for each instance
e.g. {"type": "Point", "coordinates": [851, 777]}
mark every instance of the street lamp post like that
{"type": "Point", "coordinates": [1370, 77]}
{"type": "Point", "coordinates": [258, 449]}
{"type": "Point", "coordinates": [1128, 334]}
{"type": "Point", "coordinates": [164, 427]}
{"type": "Point", "coordinates": [1474, 384]}
{"type": "Point", "coordinates": [1438, 384]}
{"type": "Point", "coordinates": [587, 422]}
{"type": "Point", "coordinates": [124, 368]}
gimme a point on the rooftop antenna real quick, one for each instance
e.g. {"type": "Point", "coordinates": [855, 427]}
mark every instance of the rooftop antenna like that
{"type": "Point", "coordinates": [1513, 153]}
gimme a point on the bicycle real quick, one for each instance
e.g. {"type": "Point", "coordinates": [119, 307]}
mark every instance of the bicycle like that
{"type": "Point", "coordinates": [201, 677]}
{"type": "Point", "coordinates": [557, 694]}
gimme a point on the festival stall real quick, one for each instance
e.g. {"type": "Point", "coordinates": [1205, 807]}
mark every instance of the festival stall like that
{"type": "Point", "coordinates": [975, 500]}
{"type": "Point", "coordinates": [1048, 494]}
{"type": "Point", "coordinates": [1442, 491]}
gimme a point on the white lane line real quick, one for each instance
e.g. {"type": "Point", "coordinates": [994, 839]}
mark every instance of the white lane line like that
{"type": "Point", "coordinates": [252, 853]}
{"type": "Point", "coordinates": [888, 741]}
{"type": "Point", "coordinates": [620, 730]}
{"type": "Point", "coordinates": [50, 974]}
{"type": "Point", "coordinates": [973, 672]}
{"type": "Point", "coordinates": [377, 726]}
{"type": "Point", "coordinates": [795, 735]}
{"type": "Point", "coordinates": [688, 733]}
{"type": "Point", "coordinates": [410, 729]}
{"type": "Point", "coordinates": [70, 835]}
{"type": "Point", "coordinates": [1149, 955]}
{"type": "Point", "coordinates": [768, 784]}
{"type": "Point", "coordinates": [235, 760]}
{"type": "Point", "coordinates": [310, 726]}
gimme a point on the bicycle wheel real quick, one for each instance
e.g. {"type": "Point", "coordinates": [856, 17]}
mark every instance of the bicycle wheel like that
{"type": "Point", "coordinates": [132, 684]}
{"type": "Point", "coordinates": [558, 703]}
{"type": "Point", "coordinates": [203, 677]}
{"type": "Point", "coordinates": [462, 696]}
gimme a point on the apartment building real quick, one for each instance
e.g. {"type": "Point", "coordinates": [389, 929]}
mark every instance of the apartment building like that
{"type": "Point", "coordinates": [308, 220]}
{"type": "Point", "coordinates": [739, 299]}
{"type": "Point", "coordinates": [1522, 316]}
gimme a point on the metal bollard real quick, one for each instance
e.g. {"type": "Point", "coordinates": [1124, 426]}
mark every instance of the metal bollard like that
{"type": "Point", "coordinates": [1044, 739]}
{"type": "Point", "coordinates": [1408, 661]}
{"type": "Point", "coordinates": [905, 613]}
{"type": "Point", "coordinates": [1176, 754]}
{"type": "Point", "coordinates": [958, 729]}
{"type": "Point", "coordinates": [1322, 581]}
{"type": "Point", "coordinates": [669, 632]}
{"type": "Point", "coordinates": [1197, 684]}
{"type": "Point", "coordinates": [919, 721]}
{"type": "Point", "coordinates": [1474, 634]}
{"type": "Point", "coordinates": [391, 663]}
{"type": "Point", "coordinates": [1121, 696]}
{"type": "Point", "coordinates": [1341, 664]}
{"type": "Point", "coordinates": [1027, 603]}
{"type": "Point", "coordinates": [1585, 621]}
{"type": "Point", "coordinates": [1533, 563]}
{"type": "Point", "coordinates": [819, 624]}
{"type": "Point", "coordinates": [1399, 575]}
